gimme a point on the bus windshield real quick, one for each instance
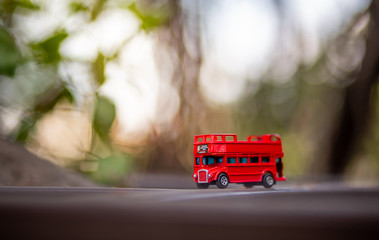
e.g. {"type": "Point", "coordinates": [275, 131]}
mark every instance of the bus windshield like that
{"type": "Point", "coordinates": [209, 160]}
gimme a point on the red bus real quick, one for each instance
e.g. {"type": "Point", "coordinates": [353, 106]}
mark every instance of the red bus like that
{"type": "Point", "coordinates": [220, 159]}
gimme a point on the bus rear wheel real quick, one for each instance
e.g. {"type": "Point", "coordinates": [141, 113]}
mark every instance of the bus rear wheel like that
{"type": "Point", "coordinates": [268, 180]}
{"type": "Point", "coordinates": [222, 181]}
{"type": "Point", "coordinates": [202, 185]}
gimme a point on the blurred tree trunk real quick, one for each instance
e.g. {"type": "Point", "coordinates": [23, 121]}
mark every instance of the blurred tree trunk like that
{"type": "Point", "coordinates": [354, 121]}
{"type": "Point", "coordinates": [172, 147]}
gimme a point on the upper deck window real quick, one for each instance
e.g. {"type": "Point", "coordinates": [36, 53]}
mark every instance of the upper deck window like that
{"type": "Point", "coordinates": [274, 138]}
{"type": "Point", "coordinates": [242, 160]}
{"type": "Point", "coordinates": [229, 138]}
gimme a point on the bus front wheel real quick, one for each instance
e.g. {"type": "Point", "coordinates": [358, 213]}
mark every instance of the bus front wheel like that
{"type": "Point", "coordinates": [202, 185]}
{"type": "Point", "coordinates": [268, 180]}
{"type": "Point", "coordinates": [222, 181]}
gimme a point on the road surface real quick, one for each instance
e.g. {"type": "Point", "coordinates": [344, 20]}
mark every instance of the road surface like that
{"type": "Point", "coordinates": [114, 213]}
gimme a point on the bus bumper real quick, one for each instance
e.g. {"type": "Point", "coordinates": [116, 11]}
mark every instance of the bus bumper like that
{"type": "Point", "coordinates": [281, 179]}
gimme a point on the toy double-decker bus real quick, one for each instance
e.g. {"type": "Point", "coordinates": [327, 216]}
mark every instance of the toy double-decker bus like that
{"type": "Point", "coordinates": [220, 159]}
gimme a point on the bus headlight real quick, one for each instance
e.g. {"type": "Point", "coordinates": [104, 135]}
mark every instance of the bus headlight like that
{"type": "Point", "coordinates": [194, 175]}
{"type": "Point", "coordinates": [209, 175]}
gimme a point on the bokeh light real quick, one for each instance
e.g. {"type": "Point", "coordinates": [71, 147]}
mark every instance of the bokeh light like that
{"type": "Point", "coordinates": [166, 70]}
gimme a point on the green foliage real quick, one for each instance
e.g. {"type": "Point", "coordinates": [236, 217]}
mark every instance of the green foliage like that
{"type": "Point", "coordinates": [8, 6]}
{"type": "Point", "coordinates": [78, 7]}
{"type": "Point", "coordinates": [48, 50]}
{"type": "Point", "coordinates": [48, 100]}
{"type": "Point", "coordinates": [112, 169]}
{"type": "Point", "coordinates": [105, 113]}
{"type": "Point", "coordinates": [45, 103]}
{"type": "Point", "coordinates": [10, 56]}
{"type": "Point", "coordinates": [26, 126]}
{"type": "Point", "coordinates": [98, 7]}
{"type": "Point", "coordinates": [26, 4]}
{"type": "Point", "coordinates": [99, 68]}
{"type": "Point", "coordinates": [150, 19]}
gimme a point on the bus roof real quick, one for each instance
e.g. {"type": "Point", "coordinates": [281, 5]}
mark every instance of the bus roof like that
{"type": "Point", "coordinates": [210, 138]}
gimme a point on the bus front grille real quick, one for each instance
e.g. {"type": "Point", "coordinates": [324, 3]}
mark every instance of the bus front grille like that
{"type": "Point", "coordinates": [203, 176]}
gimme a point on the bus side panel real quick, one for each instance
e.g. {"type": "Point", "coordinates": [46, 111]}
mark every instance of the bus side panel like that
{"type": "Point", "coordinates": [218, 148]}
{"type": "Point", "coordinates": [240, 172]}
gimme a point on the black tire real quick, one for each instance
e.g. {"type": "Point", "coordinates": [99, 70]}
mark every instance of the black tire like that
{"type": "Point", "coordinates": [248, 185]}
{"type": "Point", "coordinates": [268, 180]}
{"type": "Point", "coordinates": [222, 181]}
{"type": "Point", "coordinates": [202, 185]}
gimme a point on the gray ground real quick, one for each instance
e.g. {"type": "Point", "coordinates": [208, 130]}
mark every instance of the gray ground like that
{"type": "Point", "coordinates": [321, 211]}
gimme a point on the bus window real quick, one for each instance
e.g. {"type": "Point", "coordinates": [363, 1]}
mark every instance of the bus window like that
{"type": "Point", "coordinates": [231, 160]}
{"type": "Point", "coordinates": [242, 160]}
{"type": "Point", "coordinates": [219, 159]}
{"type": "Point", "coordinates": [197, 161]}
{"type": "Point", "coordinates": [265, 159]}
{"type": "Point", "coordinates": [254, 160]}
{"type": "Point", "coordinates": [208, 160]}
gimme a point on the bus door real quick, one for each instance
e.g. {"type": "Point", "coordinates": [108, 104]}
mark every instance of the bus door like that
{"type": "Point", "coordinates": [279, 166]}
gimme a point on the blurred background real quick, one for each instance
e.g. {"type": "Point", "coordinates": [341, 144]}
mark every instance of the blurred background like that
{"type": "Point", "coordinates": [115, 90]}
